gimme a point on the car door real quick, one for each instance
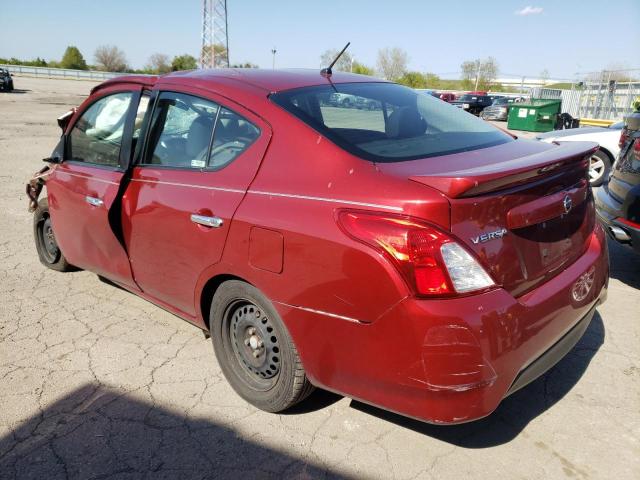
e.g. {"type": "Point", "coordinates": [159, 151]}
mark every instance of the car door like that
{"type": "Point", "coordinates": [83, 189]}
{"type": "Point", "coordinates": [200, 155]}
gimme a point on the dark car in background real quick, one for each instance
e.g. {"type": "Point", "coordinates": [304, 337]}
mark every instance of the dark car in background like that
{"type": "Point", "coordinates": [618, 201]}
{"type": "Point", "coordinates": [6, 80]}
{"type": "Point", "coordinates": [472, 103]}
{"type": "Point", "coordinates": [447, 96]}
{"type": "Point", "coordinates": [499, 109]}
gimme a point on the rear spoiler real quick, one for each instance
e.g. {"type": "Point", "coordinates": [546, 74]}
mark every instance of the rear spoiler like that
{"type": "Point", "coordinates": [510, 173]}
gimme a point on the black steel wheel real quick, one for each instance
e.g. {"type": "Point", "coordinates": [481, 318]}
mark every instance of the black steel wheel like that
{"type": "Point", "coordinates": [50, 251]}
{"type": "Point", "coordinates": [47, 247]}
{"type": "Point", "coordinates": [254, 349]}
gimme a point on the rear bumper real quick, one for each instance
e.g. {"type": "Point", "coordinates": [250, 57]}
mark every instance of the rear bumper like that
{"type": "Point", "coordinates": [451, 361]}
{"type": "Point", "coordinates": [553, 355]}
{"type": "Point", "coordinates": [608, 210]}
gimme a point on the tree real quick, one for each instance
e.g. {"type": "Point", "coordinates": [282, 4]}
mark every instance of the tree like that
{"type": "Point", "coordinates": [343, 64]}
{"type": "Point", "coordinates": [479, 74]}
{"type": "Point", "coordinates": [544, 76]}
{"type": "Point", "coordinates": [220, 55]}
{"type": "Point", "coordinates": [392, 63]}
{"type": "Point", "coordinates": [183, 62]}
{"type": "Point", "coordinates": [72, 58]}
{"type": "Point", "coordinates": [433, 80]}
{"type": "Point", "coordinates": [110, 58]}
{"type": "Point", "coordinates": [245, 65]}
{"type": "Point", "coordinates": [413, 80]}
{"type": "Point", "coordinates": [362, 69]}
{"type": "Point", "coordinates": [159, 63]}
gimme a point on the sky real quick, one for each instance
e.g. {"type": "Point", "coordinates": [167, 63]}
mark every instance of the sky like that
{"type": "Point", "coordinates": [526, 37]}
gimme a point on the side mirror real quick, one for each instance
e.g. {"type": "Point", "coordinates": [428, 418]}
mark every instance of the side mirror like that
{"type": "Point", "coordinates": [11, 74]}
{"type": "Point", "coordinates": [63, 120]}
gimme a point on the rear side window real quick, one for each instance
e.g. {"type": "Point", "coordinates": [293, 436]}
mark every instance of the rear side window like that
{"type": "Point", "coordinates": [97, 135]}
{"type": "Point", "coordinates": [385, 122]}
{"type": "Point", "coordinates": [232, 135]}
{"type": "Point", "coordinates": [192, 132]}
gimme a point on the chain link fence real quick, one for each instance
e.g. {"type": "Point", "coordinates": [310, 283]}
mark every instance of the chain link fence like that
{"type": "Point", "coordinates": [46, 72]}
{"type": "Point", "coordinates": [608, 95]}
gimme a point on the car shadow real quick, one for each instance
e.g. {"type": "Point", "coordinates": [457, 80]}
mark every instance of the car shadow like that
{"type": "Point", "coordinates": [516, 411]}
{"type": "Point", "coordinates": [16, 90]}
{"type": "Point", "coordinates": [318, 400]}
{"type": "Point", "coordinates": [624, 263]}
{"type": "Point", "coordinates": [96, 432]}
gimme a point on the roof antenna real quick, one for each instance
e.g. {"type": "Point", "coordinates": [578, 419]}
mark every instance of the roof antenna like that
{"type": "Point", "coordinates": [326, 72]}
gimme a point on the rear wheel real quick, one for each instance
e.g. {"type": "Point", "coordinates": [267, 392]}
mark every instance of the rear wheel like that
{"type": "Point", "coordinates": [599, 167]}
{"type": "Point", "coordinates": [48, 250]}
{"type": "Point", "coordinates": [254, 349]}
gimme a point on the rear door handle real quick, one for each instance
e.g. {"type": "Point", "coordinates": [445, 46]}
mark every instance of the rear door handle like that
{"type": "Point", "coordinates": [215, 222]}
{"type": "Point", "coordinates": [96, 202]}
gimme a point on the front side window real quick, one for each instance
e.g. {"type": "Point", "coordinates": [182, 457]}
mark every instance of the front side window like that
{"type": "Point", "coordinates": [385, 122]}
{"type": "Point", "coordinates": [97, 136]}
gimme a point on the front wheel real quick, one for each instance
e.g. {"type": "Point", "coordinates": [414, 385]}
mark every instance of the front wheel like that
{"type": "Point", "coordinates": [254, 349]}
{"type": "Point", "coordinates": [599, 167]}
{"type": "Point", "coordinates": [48, 250]}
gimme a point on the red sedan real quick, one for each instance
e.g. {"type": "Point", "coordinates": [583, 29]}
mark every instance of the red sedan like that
{"type": "Point", "coordinates": [408, 255]}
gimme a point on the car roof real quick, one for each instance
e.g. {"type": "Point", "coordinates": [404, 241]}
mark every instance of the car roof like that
{"type": "Point", "coordinates": [272, 80]}
{"type": "Point", "coordinates": [268, 80]}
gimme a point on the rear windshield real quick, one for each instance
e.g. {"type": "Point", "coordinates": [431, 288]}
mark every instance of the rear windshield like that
{"type": "Point", "coordinates": [385, 122]}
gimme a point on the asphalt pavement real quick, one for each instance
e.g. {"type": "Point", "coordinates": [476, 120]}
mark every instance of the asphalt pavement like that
{"type": "Point", "coordinates": [98, 383]}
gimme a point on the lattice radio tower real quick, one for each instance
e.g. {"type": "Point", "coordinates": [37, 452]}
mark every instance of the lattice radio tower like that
{"type": "Point", "coordinates": [215, 40]}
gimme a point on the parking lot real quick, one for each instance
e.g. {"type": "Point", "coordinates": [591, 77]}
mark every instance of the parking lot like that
{"type": "Point", "coordinates": [98, 383]}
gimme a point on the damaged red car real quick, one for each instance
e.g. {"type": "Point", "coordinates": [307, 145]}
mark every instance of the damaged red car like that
{"type": "Point", "coordinates": [407, 255]}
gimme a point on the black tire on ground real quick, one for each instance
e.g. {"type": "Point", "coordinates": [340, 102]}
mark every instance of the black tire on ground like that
{"type": "Point", "coordinates": [602, 166]}
{"type": "Point", "coordinates": [49, 253]}
{"type": "Point", "coordinates": [254, 349]}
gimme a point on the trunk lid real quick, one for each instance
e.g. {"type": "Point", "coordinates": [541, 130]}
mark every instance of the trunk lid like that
{"type": "Point", "coordinates": [524, 208]}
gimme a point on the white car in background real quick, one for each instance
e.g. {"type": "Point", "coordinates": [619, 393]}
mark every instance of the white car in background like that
{"type": "Point", "coordinates": [603, 158]}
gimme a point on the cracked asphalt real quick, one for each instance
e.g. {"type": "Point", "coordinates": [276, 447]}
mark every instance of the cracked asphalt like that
{"type": "Point", "coordinates": [97, 383]}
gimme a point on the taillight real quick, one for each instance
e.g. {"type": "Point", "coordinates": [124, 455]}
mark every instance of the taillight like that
{"type": "Point", "coordinates": [430, 260]}
{"type": "Point", "coordinates": [628, 222]}
{"type": "Point", "coordinates": [624, 135]}
{"type": "Point", "coordinates": [636, 149]}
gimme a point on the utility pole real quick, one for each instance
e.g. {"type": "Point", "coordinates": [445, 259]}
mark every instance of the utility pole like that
{"type": "Point", "coordinates": [214, 34]}
{"type": "Point", "coordinates": [273, 62]}
{"type": "Point", "coordinates": [477, 74]}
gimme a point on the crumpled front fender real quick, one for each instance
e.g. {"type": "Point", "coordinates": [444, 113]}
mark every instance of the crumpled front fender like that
{"type": "Point", "coordinates": [35, 185]}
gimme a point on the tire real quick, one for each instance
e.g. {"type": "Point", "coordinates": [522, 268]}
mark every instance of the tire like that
{"type": "Point", "coordinates": [254, 349]}
{"type": "Point", "coordinates": [599, 168]}
{"type": "Point", "coordinates": [48, 250]}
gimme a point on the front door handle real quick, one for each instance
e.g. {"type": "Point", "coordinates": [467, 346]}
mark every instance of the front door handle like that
{"type": "Point", "coordinates": [215, 222]}
{"type": "Point", "coordinates": [96, 202]}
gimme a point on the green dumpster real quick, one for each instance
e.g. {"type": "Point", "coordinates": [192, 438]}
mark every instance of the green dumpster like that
{"type": "Point", "coordinates": [534, 116]}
